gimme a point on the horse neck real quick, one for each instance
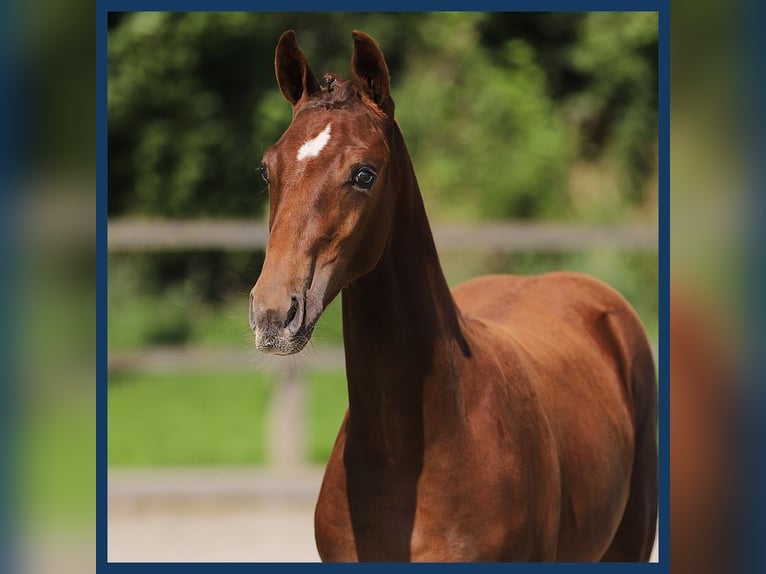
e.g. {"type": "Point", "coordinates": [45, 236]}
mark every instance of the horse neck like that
{"type": "Point", "coordinates": [401, 330]}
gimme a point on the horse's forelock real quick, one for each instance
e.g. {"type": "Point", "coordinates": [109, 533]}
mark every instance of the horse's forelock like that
{"type": "Point", "coordinates": [340, 93]}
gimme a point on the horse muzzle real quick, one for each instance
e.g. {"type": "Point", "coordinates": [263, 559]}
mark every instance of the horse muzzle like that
{"type": "Point", "coordinates": [283, 314]}
{"type": "Point", "coordinates": [280, 327]}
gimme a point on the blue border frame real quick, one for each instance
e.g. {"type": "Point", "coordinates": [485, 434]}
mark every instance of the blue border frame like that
{"type": "Point", "coordinates": [101, 286]}
{"type": "Point", "coordinates": [104, 6]}
{"type": "Point", "coordinates": [663, 117]}
{"type": "Point", "coordinates": [377, 6]}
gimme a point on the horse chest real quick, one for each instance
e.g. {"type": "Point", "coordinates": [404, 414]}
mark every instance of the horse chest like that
{"type": "Point", "coordinates": [396, 527]}
{"type": "Point", "coordinates": [428, 516]}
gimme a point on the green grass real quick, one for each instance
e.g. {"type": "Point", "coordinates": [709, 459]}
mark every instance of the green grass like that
{"type": "Point", "coordinates": [327, 403]}
{"type": "Point", "coordinates": [187, 419]}
{"type": "Point", "coordinates": [205, 419]}
{"type": "Point", "coordinates": [57, 461]}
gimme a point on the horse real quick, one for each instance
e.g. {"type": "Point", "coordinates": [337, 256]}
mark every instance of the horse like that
{"type": "Point", "coordinates": [512, 419]}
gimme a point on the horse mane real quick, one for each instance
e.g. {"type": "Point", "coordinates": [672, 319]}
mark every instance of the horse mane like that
{"type": "Point", "coordinates": [338, 93]}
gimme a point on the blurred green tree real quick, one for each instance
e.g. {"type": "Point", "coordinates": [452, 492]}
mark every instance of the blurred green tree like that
{"type": "Point", "coordinates": [506, 115]}
{"type": "Point", "coordinates": [495, 107]}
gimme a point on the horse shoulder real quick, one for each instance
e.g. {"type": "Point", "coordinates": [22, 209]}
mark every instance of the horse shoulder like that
{"type": "Point", "coordinates": [511, 450]}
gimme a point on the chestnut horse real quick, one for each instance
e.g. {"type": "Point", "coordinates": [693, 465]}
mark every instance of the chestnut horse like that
{"type": "Point", "coordinates": [514, 418]}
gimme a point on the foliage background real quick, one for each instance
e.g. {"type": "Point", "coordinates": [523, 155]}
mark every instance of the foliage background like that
{"type": "Point", "coordinates": [524, 116]}
{"type": "Point", "coordinates": [498, 109]}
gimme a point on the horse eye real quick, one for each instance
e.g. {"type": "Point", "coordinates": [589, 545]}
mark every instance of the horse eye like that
{"type": "Point", "coordinates": [264, 173]}
{"type": "Point", "coordinates": [363, 178]}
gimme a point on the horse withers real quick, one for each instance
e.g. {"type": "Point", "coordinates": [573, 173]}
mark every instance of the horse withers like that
{"type": "Point", "coordinates": [514, 418]}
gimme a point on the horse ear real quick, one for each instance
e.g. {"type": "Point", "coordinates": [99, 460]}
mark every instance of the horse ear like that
{"type": "Point", "coordinates": [294, 75]}
{"type": "Point", "coordinates": [370, 69]}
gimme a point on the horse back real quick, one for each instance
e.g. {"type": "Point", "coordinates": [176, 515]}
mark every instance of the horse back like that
{"type": "Point", "coordinates": [578, 341]}
{"type": "Point", "coordinates": [555, 317]}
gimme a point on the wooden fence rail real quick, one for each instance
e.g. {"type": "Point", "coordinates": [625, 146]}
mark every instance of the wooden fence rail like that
{"type": "Point", "coordinates": [235, 234]}
{"type": "Point", "coordinates": [286, 417]}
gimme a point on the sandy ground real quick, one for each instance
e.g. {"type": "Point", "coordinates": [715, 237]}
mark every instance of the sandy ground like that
{"type": "Point", "coordinates": [190, 515]}
{"type": "Point", "coordinates": [227, 515]}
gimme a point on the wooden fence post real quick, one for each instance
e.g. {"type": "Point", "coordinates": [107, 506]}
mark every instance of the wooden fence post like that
{"type": "Point", "coordinates": [286, 419]}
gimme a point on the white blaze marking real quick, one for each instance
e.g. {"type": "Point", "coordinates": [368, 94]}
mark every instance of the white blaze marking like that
{"type": "Point", "coordinates": [312, 147]}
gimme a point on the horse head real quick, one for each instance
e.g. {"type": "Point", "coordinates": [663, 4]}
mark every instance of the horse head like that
{"type": "Point", "coordinates": [331, 182]}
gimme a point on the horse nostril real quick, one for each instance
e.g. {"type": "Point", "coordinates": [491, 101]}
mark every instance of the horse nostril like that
{"type": "Point", "coordinates": [292, 311]}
